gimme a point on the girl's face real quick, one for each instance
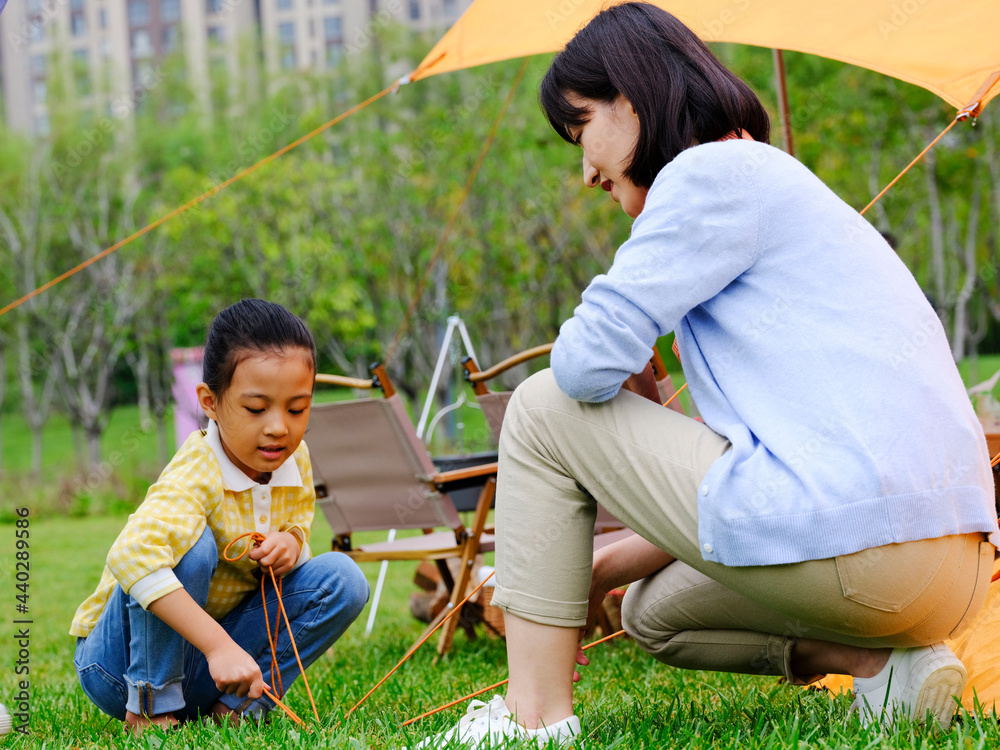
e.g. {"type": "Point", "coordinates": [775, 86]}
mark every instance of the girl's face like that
{"type": "Point", "coordinates": [263, 415]}
{"type": "Point", "coordinates": [608, 139]}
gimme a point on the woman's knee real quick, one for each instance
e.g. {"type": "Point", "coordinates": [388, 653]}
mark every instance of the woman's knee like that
{"type": "Point", "coordinates": [651, 634]}
{"type": "Point", "coordinates": [538, 390]}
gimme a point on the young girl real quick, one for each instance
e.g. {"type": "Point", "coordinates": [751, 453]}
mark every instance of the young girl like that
{"type": "Point", "coordinates": [174, 631]}
{"type": "Point", "coordinates": [834, 512]}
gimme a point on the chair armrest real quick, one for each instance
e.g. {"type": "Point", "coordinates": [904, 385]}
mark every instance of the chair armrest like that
{"type": "Point", "coordinates": [449, 481]}
{"type": "Point", "coordinates": [492, 372]}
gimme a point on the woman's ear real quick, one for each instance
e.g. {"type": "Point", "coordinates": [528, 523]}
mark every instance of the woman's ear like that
{"type": "Point", "coordinates": [207, 400]}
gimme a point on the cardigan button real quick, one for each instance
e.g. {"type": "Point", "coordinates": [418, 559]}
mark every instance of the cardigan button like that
{"type": "Point", "coordinates": [708, 548]}
{"type": "Point", "coordinates": [704, 490]}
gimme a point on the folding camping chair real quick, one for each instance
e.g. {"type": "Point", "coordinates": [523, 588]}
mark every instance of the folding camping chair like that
{"type": "Point", "coordinates": [372, 473]}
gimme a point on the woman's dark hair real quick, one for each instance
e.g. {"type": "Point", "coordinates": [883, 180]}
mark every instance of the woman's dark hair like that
{"type": "Point", "coordinates": [251, 326]}
{"type": "Point", "coordinates": [679, 90]}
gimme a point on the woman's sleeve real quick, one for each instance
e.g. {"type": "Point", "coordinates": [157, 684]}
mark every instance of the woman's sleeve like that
{"type": "Point", "coordinates": [699, 230]}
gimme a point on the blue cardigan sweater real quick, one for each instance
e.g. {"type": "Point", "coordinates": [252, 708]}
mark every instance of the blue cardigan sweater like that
{"type": "Point", "coordinates": [807, 343]}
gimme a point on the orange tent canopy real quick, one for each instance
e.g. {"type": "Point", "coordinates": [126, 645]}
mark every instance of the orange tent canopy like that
{"type": "Point", "coordinates": [947, 47]}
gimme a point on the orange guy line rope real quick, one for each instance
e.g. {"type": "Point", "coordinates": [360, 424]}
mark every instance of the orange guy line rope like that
{"type": "Point", "coordinates": [413, 650]}
{"type": "Point", "coordinates": [676, 394]}
{"type": "Point", "coordinates": [195, 201]}
{"type": "Point", "coordinates": [254, 539]}
{"type": "Point", "coordinates": [494, 686]}
{"type": "Point", "coordinates": [958, 118]}
{"type": "Point", "coordinates": [454, 217]}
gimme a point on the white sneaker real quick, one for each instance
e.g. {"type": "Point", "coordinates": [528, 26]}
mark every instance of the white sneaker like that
{"type": "Point", "coordinates": [913, 682]}
{"type": "Point", "coordinates": [490, 724]}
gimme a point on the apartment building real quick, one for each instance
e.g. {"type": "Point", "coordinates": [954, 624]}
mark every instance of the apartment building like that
{"type": "Point", "coordinates": [108, 52]}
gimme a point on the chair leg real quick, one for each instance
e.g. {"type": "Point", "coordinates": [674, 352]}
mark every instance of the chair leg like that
{"type": "Point", "coordinates": [457, 595]}
{"type": "Point", "coordinates": [471, 549]}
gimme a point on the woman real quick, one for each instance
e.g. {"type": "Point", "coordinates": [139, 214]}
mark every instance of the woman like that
{"type": "Point", "coordinates": [834, 512]}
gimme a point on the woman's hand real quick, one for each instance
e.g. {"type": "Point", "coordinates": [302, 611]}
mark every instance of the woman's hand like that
{"type": "Point", "coordinates": [234, 671]}
{"type": "Point", "coordinates": [598, 591]}
{"type": "Point", "coordinates": [643, 383]}
{"type": "Point", "coordinates": [279, 551]}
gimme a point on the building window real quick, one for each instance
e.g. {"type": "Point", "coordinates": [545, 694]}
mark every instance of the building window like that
{"type": "Point", "coordinates": [450, 7]}
{"type": "Point", "coordinates": [331, 2]}
{"type": "Point", "coordinates": [216, 35]}
{"type": "Point", "coordinates": [334, 54]}
{"type": "Point", "coordinates": [142, 45]}
{"type": "Point", "coordinates": [333, 28]}
{"type": "Point", "coordinates": [170, 11]}
{"type": "Point", "coordinates": [81, 71]}
{"type": "Point", "coordinates": [213, 6]}
{"type": "Point", "coordinates": [284, 4]}
{"type": "Point", "coordinates": [36, 31]}
{"type": "Point", "coordinates": [169, 39]}
{"type": "Point", "coordinates": [102, 18]}
{"type": "Point", "coordinates": [286, 42]}
{"type": "Point", "coordinates": [42, 127]}
{"type": "Point", "coordinates": [138, 12]}
{"type": "Point", "coordinates": [78, 24]}
{"type": "Point", "coordinates": [40, 90]}
{"type": "Point", "coordinates": [76, 4]}
{"type": "Point", "coordinates": [38, 66]}
{"type": "Point", "coordinates": [414, 10]}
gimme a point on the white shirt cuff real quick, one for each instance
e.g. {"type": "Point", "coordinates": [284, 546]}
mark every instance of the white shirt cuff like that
{"type": "Point", "coordinates": [151, 587]}
{"type": "Point", "coordinates": [304, 557]}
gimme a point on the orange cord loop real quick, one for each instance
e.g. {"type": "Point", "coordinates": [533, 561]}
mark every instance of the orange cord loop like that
{"type": "Point", "coordinates": [254, 539]}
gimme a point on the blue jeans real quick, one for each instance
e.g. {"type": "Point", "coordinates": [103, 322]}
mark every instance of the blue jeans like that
{"type": "Point", "coordinates": [134, 661]}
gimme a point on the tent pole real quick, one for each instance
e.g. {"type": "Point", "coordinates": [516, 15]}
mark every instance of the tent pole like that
{"type": "Point", "coordinates": [782, 86]}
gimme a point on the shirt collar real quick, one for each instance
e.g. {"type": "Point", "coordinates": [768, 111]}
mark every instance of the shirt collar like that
{"type": "Point", "coordinates": [286, 475]}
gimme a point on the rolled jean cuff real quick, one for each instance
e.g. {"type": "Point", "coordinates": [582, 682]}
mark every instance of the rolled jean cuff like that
{"type": "Point", "coordinates": [257, 709]}
{"type": "Point", "coordinates": [543, 611]}
{"type": "Point", "coordinates": [147, 700]}
{"type": "Point", "coordinates": [779, 654]}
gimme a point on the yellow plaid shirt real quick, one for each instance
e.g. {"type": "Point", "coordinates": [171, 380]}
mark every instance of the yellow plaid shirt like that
{"type": "Point", "coordinates": [202, 486]}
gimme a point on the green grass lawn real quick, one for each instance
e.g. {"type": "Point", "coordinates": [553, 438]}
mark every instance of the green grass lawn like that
{"type": "Point", "coordinates": [626, 699]}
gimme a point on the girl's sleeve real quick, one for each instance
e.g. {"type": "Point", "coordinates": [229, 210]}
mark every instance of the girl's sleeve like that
{"type": "Point", "coordinates": [698, 232]}
{"type": "Point", "coordinates": [161, 531]}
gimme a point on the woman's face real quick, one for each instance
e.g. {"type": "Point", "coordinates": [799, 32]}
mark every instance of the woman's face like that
{"type": "Point", "coordinates": [608, 139]}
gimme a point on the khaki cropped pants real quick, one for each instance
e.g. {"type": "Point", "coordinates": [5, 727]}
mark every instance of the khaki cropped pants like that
{"type": "Point", "coordinates": [644, 464]}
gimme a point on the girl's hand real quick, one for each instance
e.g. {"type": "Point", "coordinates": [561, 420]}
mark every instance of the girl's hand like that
{"type": "Point", "coordinates": [234, 671]}
{"type": "Point", "coordinates": [279, 551]}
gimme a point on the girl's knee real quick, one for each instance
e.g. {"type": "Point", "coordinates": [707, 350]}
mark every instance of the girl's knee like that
{"type": "Point", "coordinates": [345, 581]}
{"type": "Point", "coordinates": [198, 564]}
